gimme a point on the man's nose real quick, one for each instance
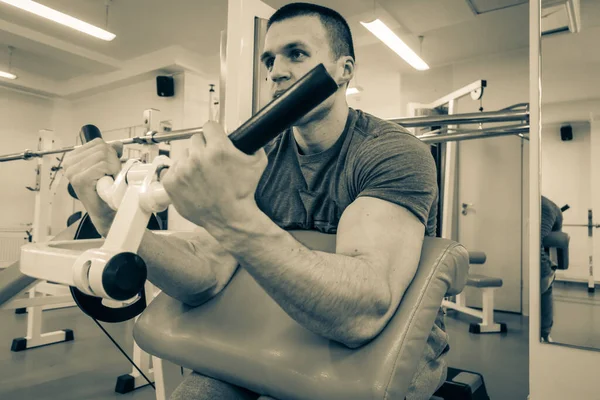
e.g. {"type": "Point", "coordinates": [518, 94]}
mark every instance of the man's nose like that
{"type": "Point", "coordinates": [279, 71]}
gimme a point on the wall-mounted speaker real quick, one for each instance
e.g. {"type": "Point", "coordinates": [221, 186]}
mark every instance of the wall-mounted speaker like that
{"type": "Point", "coordinates": [566, 133]}
{"type": "Point", "coordinates": [165, 86]}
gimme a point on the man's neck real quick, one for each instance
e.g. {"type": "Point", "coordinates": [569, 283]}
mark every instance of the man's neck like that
{"type": "Point", "coordinates": [321, 134]}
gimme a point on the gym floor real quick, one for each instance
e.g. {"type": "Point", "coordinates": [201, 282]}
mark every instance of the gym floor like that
{"type": "Point", "coordinates": [88, 367]}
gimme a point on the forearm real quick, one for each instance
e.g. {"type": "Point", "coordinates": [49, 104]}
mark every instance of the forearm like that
{"type": "Point", "coordinates": [178, 268]}
{"type": "Point", "coordinates": [337, 296]}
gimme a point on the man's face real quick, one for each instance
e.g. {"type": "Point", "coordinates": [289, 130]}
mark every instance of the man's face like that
{"type": "Point", "coordinates": [292, 48]}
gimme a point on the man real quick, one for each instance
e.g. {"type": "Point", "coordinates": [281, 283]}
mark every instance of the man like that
{"type": "Point", "coordinates": [551, 221]}
{"type": "Point", "coordinates": [337, 170]}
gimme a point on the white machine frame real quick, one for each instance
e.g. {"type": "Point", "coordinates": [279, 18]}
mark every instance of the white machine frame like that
{"type": "Point", "coordinates": [42, 295]}
{"type": "Point", "coordinates": [475, 91]}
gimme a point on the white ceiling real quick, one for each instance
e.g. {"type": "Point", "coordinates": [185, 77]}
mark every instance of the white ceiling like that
{"type": "Point", "coordinates": [153, 32]}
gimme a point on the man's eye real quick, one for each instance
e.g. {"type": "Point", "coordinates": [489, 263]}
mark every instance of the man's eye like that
{"type": "Point", "coordinates": [297, 54]}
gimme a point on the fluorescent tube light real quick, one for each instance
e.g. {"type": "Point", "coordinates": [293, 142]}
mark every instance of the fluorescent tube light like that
{"type": "Point", "coordinates": [352, 90]}
{"type": "Point", "coordinates": [7, 75]}
{"type": "Point", "coordinates": [64, 19]}
{"type": "Point", "coordinates": [387, 36]}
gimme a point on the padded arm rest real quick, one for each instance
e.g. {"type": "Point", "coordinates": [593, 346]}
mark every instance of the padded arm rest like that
{"type": "Point", "coordinates": [557, 239]}
{"type": "Point", "coordinates": [560, 242]}
{"type": "Point", "coordinates": [242, 336]}
{"type": "Point", "coordinates": [477, 257]}
{"type": "Point", "coordinates": [13, 282]}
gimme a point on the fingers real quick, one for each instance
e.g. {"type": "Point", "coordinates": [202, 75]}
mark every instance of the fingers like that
{"type": "Point", "coordinates": [214, 135]}
{"type": "Point", "coordinates": [85, 151]}
{"type": "Point", "coordinates": [92, 160]}
{"type": "Point", "coordinates": [212, 130]}
{"type": "Point", "coordinates": [90, 176]}
{"type": "Point", "coordinates": [118, 147]}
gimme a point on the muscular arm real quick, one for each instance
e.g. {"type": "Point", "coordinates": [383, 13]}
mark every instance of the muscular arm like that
{"type": "Point", "coordinates": [348, 296]}
{"type": "Point", "coordinates": [191, 267]}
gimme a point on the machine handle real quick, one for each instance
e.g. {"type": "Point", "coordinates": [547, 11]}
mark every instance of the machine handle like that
{"type": "Point", "coordinates": [303, 96]}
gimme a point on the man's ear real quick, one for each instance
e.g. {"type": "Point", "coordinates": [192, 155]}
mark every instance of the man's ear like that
{"type": "Point", "coordinates": [346, 70]}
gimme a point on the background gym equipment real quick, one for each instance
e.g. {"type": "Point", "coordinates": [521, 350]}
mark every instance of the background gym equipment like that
{"type": "Point", "coordinates": [487, 285]}
{"type": "Point", "coordinates": [41, 295]}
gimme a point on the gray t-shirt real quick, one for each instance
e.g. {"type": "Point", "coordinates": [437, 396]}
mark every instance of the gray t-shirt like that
{"type": "Point", "coordinates": [372, 157]}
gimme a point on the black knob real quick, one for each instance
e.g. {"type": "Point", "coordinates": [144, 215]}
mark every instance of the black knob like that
{"type": "Point", "coordinates": [124, 276]}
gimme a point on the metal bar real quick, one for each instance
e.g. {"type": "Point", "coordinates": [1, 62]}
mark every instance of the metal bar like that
{"type": "Point", "coordinates": [435, 120]}
{"type": "Point", "coordinates": [583, 225]}
{"type": "Point", "coordinates": [456, 119]}
{"type": "Point", "coordinates": [150, 138]}
{"type": "Point", "coordinates": [475, 134]}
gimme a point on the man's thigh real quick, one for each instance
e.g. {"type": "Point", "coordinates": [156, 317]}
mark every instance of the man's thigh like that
{"type": "Point", "coordinates": [200, 387]}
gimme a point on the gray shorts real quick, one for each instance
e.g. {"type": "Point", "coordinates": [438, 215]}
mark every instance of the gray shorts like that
{"type": "Point", "coordinates": [200, 387]}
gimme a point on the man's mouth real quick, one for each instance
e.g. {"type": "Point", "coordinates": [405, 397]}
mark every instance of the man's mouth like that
{"type": "Point", "coordinates": [278, 93]}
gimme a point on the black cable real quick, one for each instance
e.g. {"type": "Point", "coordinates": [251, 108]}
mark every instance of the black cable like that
{"type": "Point", "coordinates": [123, 352]}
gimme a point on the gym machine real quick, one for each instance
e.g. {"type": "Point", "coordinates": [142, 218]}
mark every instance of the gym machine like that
{"type": "Point", "coordinates": [446, 132]}
{"type": "Point", "coordinates": [42, 295]}
{"type": "Point", "coordinates": [98, 270]}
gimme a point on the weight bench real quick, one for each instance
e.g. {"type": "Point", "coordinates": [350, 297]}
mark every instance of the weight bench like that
{"type": "Point", "coordinates": [242, 336]}
{"type": "Point", "coordinates": [488, 285]}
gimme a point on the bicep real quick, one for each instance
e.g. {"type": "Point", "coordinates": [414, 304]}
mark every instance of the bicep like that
{"type": "Point", "coordinates": [387, 237]}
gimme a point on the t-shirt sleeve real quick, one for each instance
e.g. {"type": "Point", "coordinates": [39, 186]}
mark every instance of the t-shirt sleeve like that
{"type": "Point", "coordinates": [399, 168]}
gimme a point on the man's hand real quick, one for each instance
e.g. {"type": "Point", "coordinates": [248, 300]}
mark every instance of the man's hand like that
{"type": "Point", "coordinates": [83, 167]}
{"type": "Point", "coordinates": [214, 185]}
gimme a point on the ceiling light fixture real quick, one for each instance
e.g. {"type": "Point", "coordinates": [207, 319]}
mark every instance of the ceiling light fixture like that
{"type": "Point", "coordinates": [353, 90]}
{"type": "Point", "coordinates": [7, 75]}
{"type": "Point", "coordinates": [390, 39]}
{"type": "Point", "coordinates": [61, 18]}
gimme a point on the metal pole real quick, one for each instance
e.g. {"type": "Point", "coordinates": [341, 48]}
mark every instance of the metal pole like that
{"type": "Point", "coordinates": [149, 138]}
{"type": "Point", "coordinates": [501, 116]}
{"type": "Point", "coordinates": [475, 134]}
{"type": "Point", "coordinates": [456, 119]}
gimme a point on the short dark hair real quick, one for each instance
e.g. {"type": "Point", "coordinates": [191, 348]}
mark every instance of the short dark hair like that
{"type": "Point", "coordinates": [340, 37]}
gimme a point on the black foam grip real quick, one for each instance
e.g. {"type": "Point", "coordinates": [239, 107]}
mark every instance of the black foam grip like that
{"type": "Point", "coordinates": [89, 133]}
{"type": "Point", "coordinates": [301, 98]}
{"type": "Point", "coordinates": [86, 134]}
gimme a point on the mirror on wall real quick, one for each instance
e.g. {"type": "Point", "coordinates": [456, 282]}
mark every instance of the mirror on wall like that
{"type": "Point", "coordinates": [570, 154]}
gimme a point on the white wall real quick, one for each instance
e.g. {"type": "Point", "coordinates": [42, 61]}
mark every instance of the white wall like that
{"type": "Point", "coordinates": [566, 180]}
{"type": "Point", "coordinates": [381, 94]}
{"type": "Point", "coordinates": [22, 116]}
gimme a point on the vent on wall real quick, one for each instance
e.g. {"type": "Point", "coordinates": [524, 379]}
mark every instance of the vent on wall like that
{"type": "Point", "coordinates": [560, 16]}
